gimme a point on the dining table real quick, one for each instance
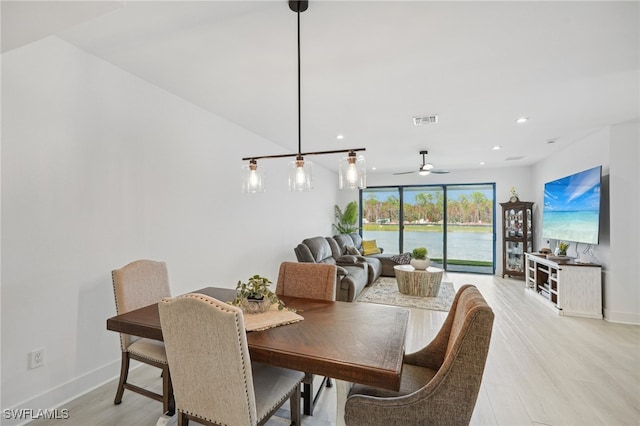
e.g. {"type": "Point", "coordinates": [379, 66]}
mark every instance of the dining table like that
{"type": "Point", "coordinates": [351, 342]}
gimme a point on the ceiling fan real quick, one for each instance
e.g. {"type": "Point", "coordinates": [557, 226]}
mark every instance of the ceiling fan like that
{"type": "Point", "coordinates": [425, 168]}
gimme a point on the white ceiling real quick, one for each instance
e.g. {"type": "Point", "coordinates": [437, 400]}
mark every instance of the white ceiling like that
{"type": "Point", "coordinates": [368, 67]}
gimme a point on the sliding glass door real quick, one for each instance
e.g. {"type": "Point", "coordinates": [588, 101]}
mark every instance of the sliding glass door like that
{"type": "Point", "coordinates": [423, 221]}
{"type": "Point", "coordinates": [470, 228]}
{"type": "Point", "coordinates": [380, 217]}
{"type": "Point", "coordinates": [454, 222]}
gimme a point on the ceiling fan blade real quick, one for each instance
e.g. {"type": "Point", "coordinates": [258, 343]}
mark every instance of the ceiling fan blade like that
{"type": "Point", "coordinates": [404, 173]}
{"type": "Point", "coordinates": [440, 172]}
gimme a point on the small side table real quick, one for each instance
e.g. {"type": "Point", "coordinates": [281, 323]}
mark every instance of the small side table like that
{"type": "Point", "coordinates": [415, 282]}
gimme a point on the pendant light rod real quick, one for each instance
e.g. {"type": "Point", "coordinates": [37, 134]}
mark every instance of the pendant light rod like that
{"type": "Point", "coordinates": [299, 96]}
{"type": "Point", "coordinates": [335, 151]}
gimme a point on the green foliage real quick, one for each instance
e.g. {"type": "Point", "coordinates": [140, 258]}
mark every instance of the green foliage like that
{"type": "Point", "coordinates": [562, 248]}
{"type": "Point", "coordinates": [419, 253]}
{"type": "Point", "coordinates": [473, 208]}
{"type": "Point", "coordinates": [346, 222]}
{"type": "Point", "coordinates": [257, 288]}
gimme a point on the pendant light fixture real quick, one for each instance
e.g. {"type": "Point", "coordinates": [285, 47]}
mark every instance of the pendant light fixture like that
{"type": "Point", "coordinates": [253, 180]}
{"type": "Point", "coordinates": [353, 173]}
{"type": "Point", "coordinates": [352, 168]}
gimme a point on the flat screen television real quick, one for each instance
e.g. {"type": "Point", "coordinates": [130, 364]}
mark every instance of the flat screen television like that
{"type": "Point", "coordinates": [572, 207]}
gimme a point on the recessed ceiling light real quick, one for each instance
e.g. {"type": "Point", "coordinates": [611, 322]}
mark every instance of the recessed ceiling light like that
{"type": "Point", "coordinates": [482, 163]}
{"type": "Point", "coordinates": [496, 147]}
{"type": "Point", "coordinates": [340, 137]}
{"type": "Point", "coordinates": [522, 120]}
{"type": "Point", "coordinates": [373, 168]}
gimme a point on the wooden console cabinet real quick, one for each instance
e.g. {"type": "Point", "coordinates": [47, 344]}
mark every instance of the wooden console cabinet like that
{"type": "Point", "coordinates": [569, 288]}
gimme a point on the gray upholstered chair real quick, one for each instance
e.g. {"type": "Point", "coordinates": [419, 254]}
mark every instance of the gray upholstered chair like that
{"type": "Point", "coordinates": [311, 281]}
{"type": "Point", "coordinates": [138, 284]}
{"type": "Point", "coordinates": [214, 380]}
{"type": "Point", "coordinates": [440, 383]}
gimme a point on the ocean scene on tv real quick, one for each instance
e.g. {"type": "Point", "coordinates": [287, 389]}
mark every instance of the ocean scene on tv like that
{"type": "Point", "coordinates": [572, 208]}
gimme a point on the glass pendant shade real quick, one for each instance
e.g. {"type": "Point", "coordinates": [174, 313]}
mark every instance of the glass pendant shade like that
{"type": "Point", "coordinates": [353, 172]}
{"type": "Point", "coordinates": [300, 175]}
{"type": "Point", "coordinates": [253, 179]}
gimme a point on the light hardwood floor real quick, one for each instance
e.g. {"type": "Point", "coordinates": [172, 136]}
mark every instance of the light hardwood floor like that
{"type": "Point", "coordinates": [542, 369]}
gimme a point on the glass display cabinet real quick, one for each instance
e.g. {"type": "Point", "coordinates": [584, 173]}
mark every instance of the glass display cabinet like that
{"type": "Point", "coordinates": [517, 236]}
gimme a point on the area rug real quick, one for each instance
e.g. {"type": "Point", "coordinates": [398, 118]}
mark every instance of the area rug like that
{"type": "Point", "coordinates": [385, 291]}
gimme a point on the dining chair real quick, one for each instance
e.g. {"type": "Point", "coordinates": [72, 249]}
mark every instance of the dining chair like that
{"type": "Point", "coordinates": [440, 382]}
{"type": "Point", "coordinates": [214, 380]}
{"type": "Point", "coordinates": [138, 284]}
{"type": "Point", "coordinates": [311, 281]}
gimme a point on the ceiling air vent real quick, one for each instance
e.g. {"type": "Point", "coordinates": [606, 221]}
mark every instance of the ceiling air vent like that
{"type": "Point", "coordinates": [520, 157]}
{"type": "Point", "coordinates": [429, 119]}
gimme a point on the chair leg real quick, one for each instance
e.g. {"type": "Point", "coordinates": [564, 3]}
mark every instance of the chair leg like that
{"type": "Point", "coordinates": [168, 402]}
{"type": "Point", "coordinates": [124, 373]}
{"type": "Point", "coordinates": [183, 420]}
{"type": "Point", "coordinates": [294, 405]}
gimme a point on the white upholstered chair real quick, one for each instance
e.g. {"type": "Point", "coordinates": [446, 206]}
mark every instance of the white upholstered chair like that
{"type": "Point", "coordinates": [138, 284]}
{"type": "Point", "coordinates": [214, 380]}
{"type": "Point", "coordinates": [311, 281]}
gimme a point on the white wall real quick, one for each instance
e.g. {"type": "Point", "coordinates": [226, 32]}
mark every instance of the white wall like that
{"type": "Point", "coordinates": [100, 168]}
{"type": "Point", "coordinates": [622, 295]}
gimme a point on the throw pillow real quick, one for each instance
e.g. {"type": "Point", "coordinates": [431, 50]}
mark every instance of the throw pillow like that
{"type": "Point", "coordinates": [352, 251]}
{"type": "Point", "coordinates": [402, 259]}
{"type": "Point", "coordinates": [370, 247]}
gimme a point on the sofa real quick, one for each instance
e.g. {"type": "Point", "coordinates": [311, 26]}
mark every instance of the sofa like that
{"type": "Point", "coordinates": [355, 270]}
{"type": "Point", "coordinates": [386, 260]}
{"type": "Point", "coordinates": [345, 245]}
{"type": "Point", "coordinates": [353, 273]}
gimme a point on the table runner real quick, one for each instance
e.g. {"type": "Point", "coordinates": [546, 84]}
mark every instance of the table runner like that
{"type": "Point", "coordinates": [272, 318]}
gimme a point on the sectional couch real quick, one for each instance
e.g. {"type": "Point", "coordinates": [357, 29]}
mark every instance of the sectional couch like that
{"type": "Point", "coordinates": [355, 270]}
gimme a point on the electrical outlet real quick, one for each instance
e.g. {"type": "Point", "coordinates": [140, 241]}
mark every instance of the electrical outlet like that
{"type": "Point", "coordinates": [36, 358]}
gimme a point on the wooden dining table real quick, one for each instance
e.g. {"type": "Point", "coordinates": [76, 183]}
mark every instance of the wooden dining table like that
{"type": "Point", "coordinates": [351, 342]}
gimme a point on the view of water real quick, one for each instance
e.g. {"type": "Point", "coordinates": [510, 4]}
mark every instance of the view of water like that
{"type": "Point", "coordinates": [461, 245]}
{"type": "Point", "coordinates": [581, 226]}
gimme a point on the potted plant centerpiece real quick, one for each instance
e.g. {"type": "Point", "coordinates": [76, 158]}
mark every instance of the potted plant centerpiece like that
{"type": "Point", "coordinates": [419, 259]}
{"type": "Point", "coordinates": [254, 296]}
{"type": "Point", "coordinates": [562, 248]}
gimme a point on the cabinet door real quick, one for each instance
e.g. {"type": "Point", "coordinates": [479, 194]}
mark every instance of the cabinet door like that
{"type": "Point", "coordinates": [514, 252]}
{"type": "Point", "coordinates": [513, 221]}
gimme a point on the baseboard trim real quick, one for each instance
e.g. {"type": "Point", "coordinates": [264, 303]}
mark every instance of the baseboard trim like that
{"type": "Point", "coordinates": [622, 317]}
{"type": "Point", "coordinates": [57, 397]}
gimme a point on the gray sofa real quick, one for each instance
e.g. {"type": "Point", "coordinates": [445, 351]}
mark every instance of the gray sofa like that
{"type": "Point", "coordinates": [385, 260]}
{"type": "Point", "coordinates": [355, 271]}
{"type": "Point", "coordinates": [342, 244]}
